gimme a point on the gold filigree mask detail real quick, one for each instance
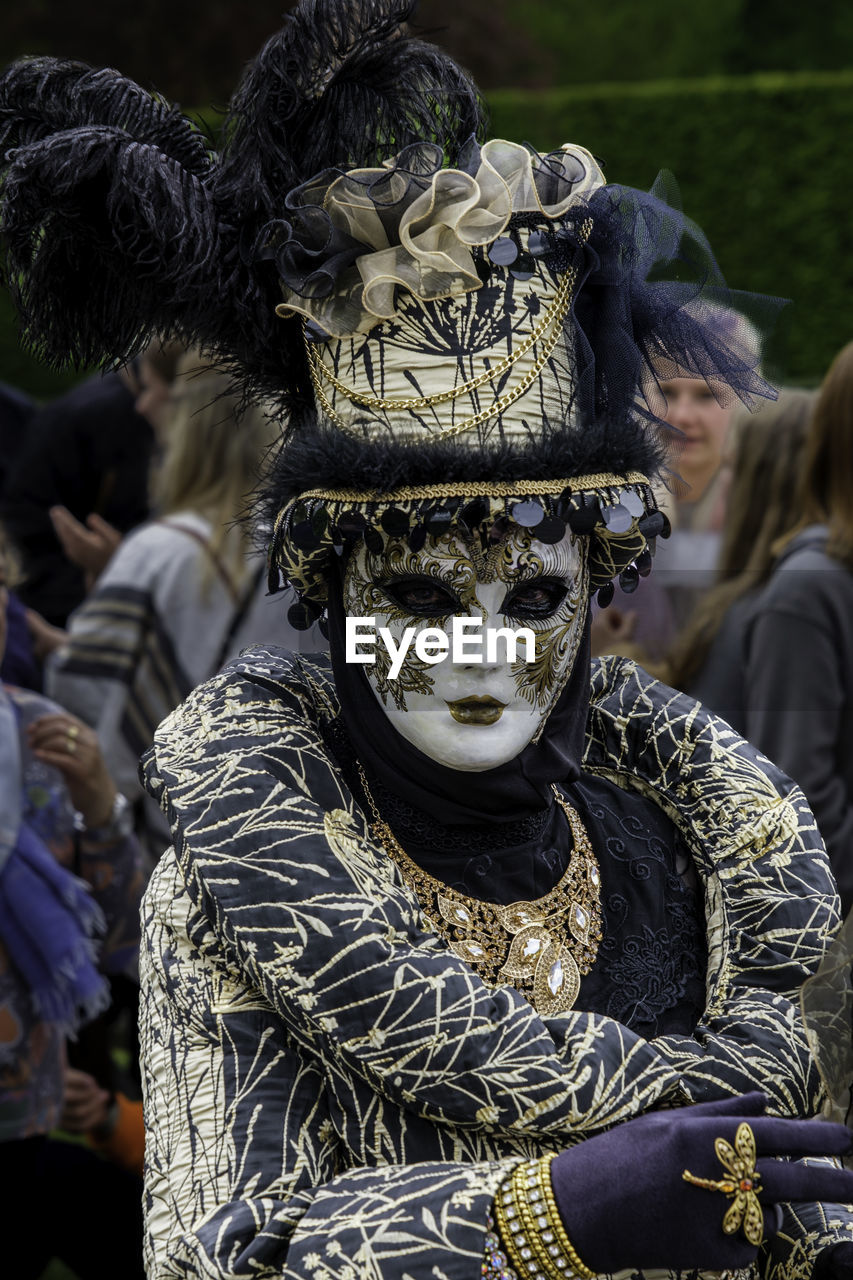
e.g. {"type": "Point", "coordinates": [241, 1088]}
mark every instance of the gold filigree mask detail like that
{"type": "Point", "coordinates": [465, 714]}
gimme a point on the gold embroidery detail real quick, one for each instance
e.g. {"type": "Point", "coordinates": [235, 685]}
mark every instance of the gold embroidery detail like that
{"type": "Point", "coordinates": [542, 948]}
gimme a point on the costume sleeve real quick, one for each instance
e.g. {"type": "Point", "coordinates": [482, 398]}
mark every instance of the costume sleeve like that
{"type": "Point", "coordinates": [795, 707]}
{"type": "Point", "coordinates": [246, 1174]}
{"type": "Point", "coordinates": [807, 1231]}
{"type": "Point", "coordinates": [249, 1176]}
{"type": "Point", "coordinates": [279, 859]}
{"type": "Point", "coordinates": [412, 1087]}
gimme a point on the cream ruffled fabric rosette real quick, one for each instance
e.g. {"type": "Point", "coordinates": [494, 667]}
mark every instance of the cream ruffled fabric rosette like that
{"type": "Point", "coordinates": [436, 230]}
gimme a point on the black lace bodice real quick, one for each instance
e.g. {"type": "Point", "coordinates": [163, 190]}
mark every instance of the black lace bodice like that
{"type": "Point", "coordinates": [650, 970]}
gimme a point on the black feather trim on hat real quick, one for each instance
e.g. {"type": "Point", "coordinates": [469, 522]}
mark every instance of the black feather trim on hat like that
{"type": "Point", "coordinates": [336, 461]}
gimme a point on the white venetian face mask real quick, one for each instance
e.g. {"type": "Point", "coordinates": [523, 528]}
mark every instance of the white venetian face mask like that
{"type": "Point", "coordinates": [467, 714]}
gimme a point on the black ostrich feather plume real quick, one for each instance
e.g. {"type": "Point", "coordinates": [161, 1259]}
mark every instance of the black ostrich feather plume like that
{"type": "Point", "coordinates": [42, 96]}
{"type": "Point", "coordinates": [341, 85]}
{"type": "Point", "coordinates": [108, 225]}
{"type": "Point", "coordinates": [106, 242]}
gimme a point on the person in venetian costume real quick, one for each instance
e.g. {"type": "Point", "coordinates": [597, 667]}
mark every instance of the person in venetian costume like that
{"type": "Point", "coordinates": [459, 968]}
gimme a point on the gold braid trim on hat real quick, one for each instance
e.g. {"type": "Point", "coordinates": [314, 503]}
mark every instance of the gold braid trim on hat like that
{"type": "Point", "coordinates": [306, 566]}
{"type": "Point", "coordinates": [476, 489]}
{"type": "Point", "coordinates": [556, 311]}
{"type": "Point", "coordinates": [464, 489]}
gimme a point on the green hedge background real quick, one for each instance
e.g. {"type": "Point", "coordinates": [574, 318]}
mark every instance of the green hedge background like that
{"type": "Point", "coordinates": [763, 162]}
{"type": "Point", "coordinates": [764, 167]}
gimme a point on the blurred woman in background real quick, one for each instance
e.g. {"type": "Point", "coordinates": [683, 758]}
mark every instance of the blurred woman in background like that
{"type": "Point", "coordinates": [799, 676]}
{"type": "Point", "coordinates": [709, 659]}
{"type": "Point", "coordinates": [183, 593]}
{"type": "Point", "coordinates": [70, 870]}
{"type": "Point", "coordinates": [648, 614]}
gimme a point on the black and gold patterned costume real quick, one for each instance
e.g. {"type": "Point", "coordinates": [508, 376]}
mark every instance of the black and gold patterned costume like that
{"type": "Point", "coordinates": [330, 1092]}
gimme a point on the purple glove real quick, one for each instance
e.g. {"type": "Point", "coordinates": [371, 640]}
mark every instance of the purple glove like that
{"type": "Point", "coordinates": [624, 1202]}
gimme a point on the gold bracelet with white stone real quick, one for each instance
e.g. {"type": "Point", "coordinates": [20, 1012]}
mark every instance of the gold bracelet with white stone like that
{"type": "Point", "coordinates": [531, 1229]}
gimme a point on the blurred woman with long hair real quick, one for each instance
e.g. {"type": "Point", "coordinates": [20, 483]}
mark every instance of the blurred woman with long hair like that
{"type": "Point", "coordinates": [799, 678]}
{"type": "Point", "coordinates": [709, 658]}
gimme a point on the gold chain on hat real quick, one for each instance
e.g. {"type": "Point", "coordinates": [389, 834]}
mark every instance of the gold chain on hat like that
{"type": "Point", "coordinates": [542, 948]}
{"type": "Point", "coordinates": [453, 393]}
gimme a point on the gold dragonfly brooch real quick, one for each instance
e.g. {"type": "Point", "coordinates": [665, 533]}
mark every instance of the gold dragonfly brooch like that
{"type": "Point", "coordinates": [744, 1184]}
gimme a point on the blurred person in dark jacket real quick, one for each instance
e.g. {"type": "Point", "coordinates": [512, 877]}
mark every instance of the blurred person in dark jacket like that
{"type": "Point", "coordinates": [91, 543]}
{"type": "Point", "coordinates": [799, 677]}
{"type": "Point", "coordinates": [88, 451]}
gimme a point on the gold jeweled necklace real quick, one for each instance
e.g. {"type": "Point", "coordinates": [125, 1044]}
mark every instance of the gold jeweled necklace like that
{"type": "Point", "coordinates": [542, 948]}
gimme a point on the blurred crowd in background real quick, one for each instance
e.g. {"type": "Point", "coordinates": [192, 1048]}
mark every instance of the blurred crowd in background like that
{"type": "Point", "coordinates": [128, 574]}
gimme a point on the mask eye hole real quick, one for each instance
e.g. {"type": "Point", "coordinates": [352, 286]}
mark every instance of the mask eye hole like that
{"type": "Point", "coordinates": [538, 598]}
{"type": "Point", "coordinates": [422, 597]}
